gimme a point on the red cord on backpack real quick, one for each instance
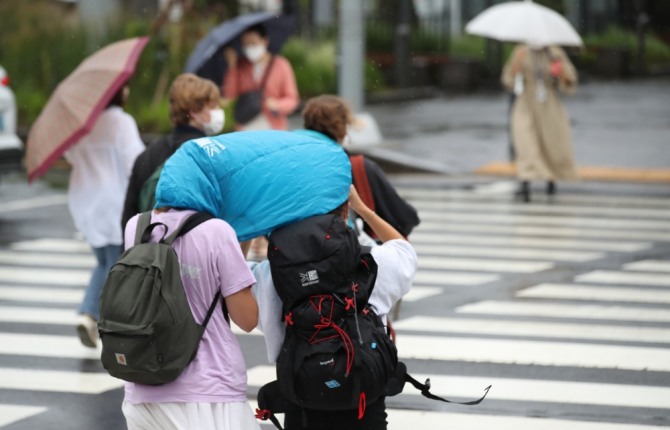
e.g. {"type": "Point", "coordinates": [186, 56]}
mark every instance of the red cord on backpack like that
{"type": "Point", "coordinates": [361, 405]}
{"type": "Point", "coordinates": [346, 340]}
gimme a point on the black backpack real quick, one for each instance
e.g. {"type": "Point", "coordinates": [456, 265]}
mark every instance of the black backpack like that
{"type": "Point", "coordinates": [337, 354]}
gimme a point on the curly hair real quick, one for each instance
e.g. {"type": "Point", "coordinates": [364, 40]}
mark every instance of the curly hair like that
{"type": "Point", "coordinates": [190, 93]}
{"type": "Point", "coordinates": [329, 115]}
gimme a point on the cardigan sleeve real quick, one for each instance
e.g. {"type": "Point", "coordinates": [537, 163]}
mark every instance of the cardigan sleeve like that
{"type": "Point", "coordinates": [288, 98]}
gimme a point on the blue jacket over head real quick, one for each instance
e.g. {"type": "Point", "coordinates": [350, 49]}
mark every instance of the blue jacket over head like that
{"type": "Point", "coordinates": [257, 180]}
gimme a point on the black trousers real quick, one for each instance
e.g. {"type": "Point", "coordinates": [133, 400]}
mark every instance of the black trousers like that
{"type": "Point", "coordinates": [374, 419]}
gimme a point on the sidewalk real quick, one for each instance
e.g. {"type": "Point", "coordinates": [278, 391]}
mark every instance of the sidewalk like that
{"type": "Point", "coordinates": [621, 131]}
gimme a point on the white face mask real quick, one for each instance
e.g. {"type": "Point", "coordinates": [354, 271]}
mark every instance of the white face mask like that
{"type": "Point", "coordinates": [217, 119]}
{"type": "Point", "coordinates": [255, 53]}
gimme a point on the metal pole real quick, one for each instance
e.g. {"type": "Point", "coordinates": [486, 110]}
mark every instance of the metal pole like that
{"type": "Point", "coordinates": [351, 49]}
{"type": "Point", "coordinates": [403, 57]}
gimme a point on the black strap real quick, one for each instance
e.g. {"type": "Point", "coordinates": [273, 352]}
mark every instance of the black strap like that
{"type": "Point", "coordinates": [425, 391]}
{"type": "Point", "coordinates": [142, 223]}
{"type": "Point", "coordinates": [191, 222]}
{"type": "Point", "coordinates": [266, 73]}
{"type": "Point", "coordinates": [211, 309]}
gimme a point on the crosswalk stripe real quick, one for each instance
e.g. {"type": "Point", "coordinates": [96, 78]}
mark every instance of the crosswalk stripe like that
{"type": "Point", "coordinates": [45, 276]}
{"type": "Point", "coordinates": [52, 245]}
{"type": "Point", "coordinates": [560, 199]}
{"type": "Point", "coordinates": [30, 294]}
{"type": "Point", "coordinates": [497, 327]}
{"type": "Point", "coordinates": [45, 259]}
{"type": "Point", "coordinates": [520, 253]}
{"type": "Point", "coordinates": [36, 202]}
{"type": "Point", "coordinates": [525, 230]}
{"type": "Point", "coordinates": [485, 265]}
{"type": "Point", "coordinates": [526, 390]}
{"type": "Point", "coordinates": [627, 278]}
{"type": "Point", "coordinates": [537, 353]}
{"type": "Point", "coordinates": [58, 381]}
{"type": "Point", "coordinates": [509, 206]}
{"type": "Point", "coordinates": [402, 419]}
{"type": "Point", "coordinates": [582, 292]}
{"type": "Point", "coordinates": [566, 310]}
{"type": "Point", "coordinates": [420, 293]}
{"type": "Point", "coordinates": [423, 277]}
{"type": "Point", "coordinates": [45, 346]}
{"type": "Point", "coordinates": [12, 413]}
{"type": "Point", "coordinates": [514, 241]}
{"type": "Point", "coordinates": [439, 217]}
{"type": "Point", "coordinates": [649, 265]}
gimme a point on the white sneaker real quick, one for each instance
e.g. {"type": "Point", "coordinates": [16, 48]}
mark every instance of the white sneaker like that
{"type": "Point", "coordinates": [87, 329]}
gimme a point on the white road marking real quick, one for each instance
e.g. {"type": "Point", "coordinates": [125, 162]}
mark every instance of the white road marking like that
{"type": "Point", "coordinates": [541, 329]}
{"type": "Point", "coordinates": [533, 353]}
{"type": "Point", "coordinates": [542, 231]}
{"type": "Point", "coordinates": [625, 278]}
{"type": "Point", "coordinates": [484, 265]}
{"type": "Point", "coordinates": [45, 276]}
{"type": "Point", "coordinates": [34, 203]}
{"type": "Point", "coordinates": [420, 293]}
{"type": "Point", "coordinates": [583, 292]}
{"type": "Point", "coordinates": [520, 253]}
{"type": "Point", "coordinates": [31, 294]}
{"type": "Point", "coordinates": [46, 346]}
{"type": "Point", "coordinates": [52, 245]}
{"type": "Point", "coordinates": [12, 413]}
{"type": "Point", "coordinates": [649, 266]}
{"type": "Point", "coordinates": [47, 259]}
{"type": "Point", "coordinates": [424, 277]}
{"type": "Point", "coordinates": [58, 381]}
{"type": "Point", "coordinates": [512, 242]}
{"type": "Point", "coordinates": [401, 419]}
{"type": "Point", "coordinates": [567, 310]}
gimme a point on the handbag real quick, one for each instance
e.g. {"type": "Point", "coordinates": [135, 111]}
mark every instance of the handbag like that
{"type": "Point", "coordinates": [249, 104]}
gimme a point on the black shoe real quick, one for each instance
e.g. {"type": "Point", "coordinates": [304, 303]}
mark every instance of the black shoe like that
{"type": "Point", "coordinates": [523, 192]}
{"type": "Point", "coordinates": [551, 188]}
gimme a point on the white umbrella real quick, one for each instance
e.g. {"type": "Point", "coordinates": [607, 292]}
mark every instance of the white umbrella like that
{"type": "Point", "coordinates": [526, 22]}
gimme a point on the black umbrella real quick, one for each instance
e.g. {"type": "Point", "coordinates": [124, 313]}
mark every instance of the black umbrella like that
{"type": "Point", "coordinates": [207, 59]}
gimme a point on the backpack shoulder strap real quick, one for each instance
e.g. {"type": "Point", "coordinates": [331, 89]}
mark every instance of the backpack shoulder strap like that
{"type": "Point", "coordinates": [266, 73]}
{"type": "Point", "coordinates": [142, 224]}
{"type": "Point", "coordinates": [189, 224]}
{"type": "Point", "coordinates": [361, 181]}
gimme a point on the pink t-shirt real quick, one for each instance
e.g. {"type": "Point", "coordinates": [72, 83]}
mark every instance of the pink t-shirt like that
{"type": "Point", "coordinates": [210, 259]}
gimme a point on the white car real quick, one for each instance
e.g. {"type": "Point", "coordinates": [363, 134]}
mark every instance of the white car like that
{"type": "Point", "coordinates": [11, 147]}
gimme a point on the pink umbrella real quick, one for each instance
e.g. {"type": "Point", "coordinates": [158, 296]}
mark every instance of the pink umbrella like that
{"type": "Point", "coordinates": [77, 101]}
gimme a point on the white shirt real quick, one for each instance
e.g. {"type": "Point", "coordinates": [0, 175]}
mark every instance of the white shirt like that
{"type": "Point", "coordinates": [101, 165]}
{"type": "Point", "coordinates": [396, 265]}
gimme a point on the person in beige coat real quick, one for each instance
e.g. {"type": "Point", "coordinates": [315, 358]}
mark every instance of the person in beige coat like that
{"type": "Point", "coordinates": [540, 126]}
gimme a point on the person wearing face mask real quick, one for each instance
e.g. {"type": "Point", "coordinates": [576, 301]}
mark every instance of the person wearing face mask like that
{"type": "Point", "coordinates": [329, 117]}
{"type": "Point", "coordinates": [259, 68]}
{"type": "Point", "coordinates": [195, 111]}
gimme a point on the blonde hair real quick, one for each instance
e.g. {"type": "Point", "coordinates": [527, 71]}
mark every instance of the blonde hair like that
{"type": "Point", "coordinates": [190, 93]}
{"type": "Point", "coordinates": [329, 115]}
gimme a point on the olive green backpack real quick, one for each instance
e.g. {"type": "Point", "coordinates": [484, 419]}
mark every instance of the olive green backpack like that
{"type": "Point", "coordinates": [147, 330]}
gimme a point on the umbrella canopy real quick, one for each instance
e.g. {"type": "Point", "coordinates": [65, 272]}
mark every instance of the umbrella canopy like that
{"type": "Point", "coordinates": [525, 22]}
{"type": "Point", "coordinates": [77, 102]}
{"type": "Point", "coordinates": [207, 58]}
{"type": "Point", "coordinates": [257, 180]}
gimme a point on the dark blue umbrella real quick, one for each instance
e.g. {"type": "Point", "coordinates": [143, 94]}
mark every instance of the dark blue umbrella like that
{"type": "Point", "coordinates": [207, 58]}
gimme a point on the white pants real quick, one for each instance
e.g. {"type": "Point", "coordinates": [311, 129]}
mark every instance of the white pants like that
{"type": "Point", "coordinates": [190, 416]}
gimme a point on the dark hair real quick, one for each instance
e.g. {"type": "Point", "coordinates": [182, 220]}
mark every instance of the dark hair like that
{"type": "Point", "coordinates": [118, 99]}
{"type": "Point", "coordinates": [258, 29]}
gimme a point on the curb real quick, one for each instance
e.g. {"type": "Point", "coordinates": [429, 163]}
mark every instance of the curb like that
{"type": "Point", "coordinates": [588, 173]}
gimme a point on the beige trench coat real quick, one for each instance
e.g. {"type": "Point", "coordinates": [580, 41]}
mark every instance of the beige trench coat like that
{"type": "Point", "coordinates": [539, 124]}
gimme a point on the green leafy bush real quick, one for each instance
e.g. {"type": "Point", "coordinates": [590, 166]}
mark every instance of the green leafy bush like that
{"type": "Point", "coordinates": [657, 51]}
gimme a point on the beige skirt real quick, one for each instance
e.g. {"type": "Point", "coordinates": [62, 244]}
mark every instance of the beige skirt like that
{"type": "Point", "coordinates": [188, 416]}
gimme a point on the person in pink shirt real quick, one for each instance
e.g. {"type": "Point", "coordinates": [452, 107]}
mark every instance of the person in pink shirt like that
{"type": "Point", "coordinates": [280, 93]}
{"type": "Point", "coordinates": [211, 392]}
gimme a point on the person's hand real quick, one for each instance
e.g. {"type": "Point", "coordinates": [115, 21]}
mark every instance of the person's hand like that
{"type": "Point", "coordinates": [272, 104]}
{"type": "Point", "coordinates": [556, 68]}
{"type": "Point", "coordinates": [356, 202]}
{"type": "Point", "coordinates": [231, 56]}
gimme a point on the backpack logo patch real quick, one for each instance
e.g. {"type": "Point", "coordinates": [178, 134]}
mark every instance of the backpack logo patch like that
{"type": "Point", "coordinates": [332, 384]}
{"type": "Point", "coordinates": [309, 278]}
{"type": "Point", "coordinates": [121, 359]}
